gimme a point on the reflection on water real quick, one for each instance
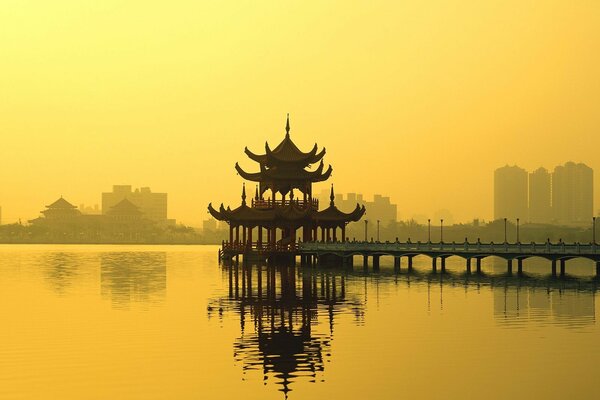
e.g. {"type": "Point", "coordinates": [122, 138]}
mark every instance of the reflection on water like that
{"type": "Point", "coordinates": [133, 277]}
{"type": "Point", "coordinates": [279, 307]}
{"type": "Point", "coordinates": [571, 307]}
{"type": "Point", "coordinates": [60, 270]}
{"type": "Point", "coordinates": [130, 322]}
{"type": "Point", "coordinates": [284, 305]}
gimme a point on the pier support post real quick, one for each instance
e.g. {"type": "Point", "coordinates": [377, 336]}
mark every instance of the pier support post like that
{"type": "Point", "coordinates": [397, 263]}
{"type": "Point", "coordinates": [553, 267]}
{"type": "Point", "coordinates": [434, 264]}
{"type": "Point", "coordinates": [350, 262]}
{"type": "Point", "coordinates": [410, 267]}
{"type": "Point", "coordinates": [468, 265]}
{"type": "Point", "coordinates": [520, 266]}
{"type": "Point", "coordinates": [509, 266]}
{"type": "Point", "coordinates": [376, 262]}
{"type": "Point", "coordinates": [598, 269]}
{"type": "Point", "coordinates": [366, 262]}
{"type": "Point", "coordinates": [478, 265]}
{"type": "Point", "coordinates": [562, 267]}
{"type": "Point", "coordinates": [443, 260]}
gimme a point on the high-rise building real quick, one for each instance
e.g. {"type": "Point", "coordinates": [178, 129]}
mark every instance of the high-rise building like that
{"type": "Point", "coordinates": [573, 194]}
{"type": "Point", "coordinates": [540, 196]}
{"type": "Point", "coordinates": [152, 205]}
{"type": "Point", "coordinates": [510, 193]}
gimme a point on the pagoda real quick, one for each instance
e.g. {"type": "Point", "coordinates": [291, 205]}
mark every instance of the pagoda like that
{"type": "Point", "coordinates": [275, 219]}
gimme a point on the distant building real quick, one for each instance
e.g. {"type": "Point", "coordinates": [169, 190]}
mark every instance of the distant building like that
{"type": "Point", "coordinates": [510, 193]}
{"type": "Point", "coordinates": [540, 196]}
{"type": "Point", "coordinates": [573, 194]}
{"type": "Point", "coordinates": [152, 205]}
{"type": "Point", "coordinates": [125, 211]}
{"type": "Point", "coordinates": [381, 208]}
{"type": "Point", "coordinates": [89, 210]}
{"type": "Point", "coordinates": [61, 209]}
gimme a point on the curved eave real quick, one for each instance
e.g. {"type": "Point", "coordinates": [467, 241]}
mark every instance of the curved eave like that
{"type": "Point", "coordinates": [259, 158]}
{"type": "Point", "coordinates": [216, 214]}
{"type": "Point", "coordinates": [250, 176]}
{"type": "Point", "coordinates": [320, 177]}
{"type": "Point", "coordinates": [317, 157]}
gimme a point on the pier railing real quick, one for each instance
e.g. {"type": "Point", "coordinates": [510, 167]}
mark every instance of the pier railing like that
{"type": "Point", "coordinates": [566, 249]}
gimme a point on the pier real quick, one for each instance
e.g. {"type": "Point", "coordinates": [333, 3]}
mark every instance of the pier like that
{"type": "Point", "coordinates": [323, 253]}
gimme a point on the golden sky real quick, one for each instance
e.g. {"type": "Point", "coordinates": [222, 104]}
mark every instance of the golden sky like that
{"type": "Point", "coordinates": [417, 100]}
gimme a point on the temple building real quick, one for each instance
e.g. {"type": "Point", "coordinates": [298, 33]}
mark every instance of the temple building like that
{"type": "Point", "coordinates": [61, 209]}
{"type": "Point", "coordinates": [276, 218]}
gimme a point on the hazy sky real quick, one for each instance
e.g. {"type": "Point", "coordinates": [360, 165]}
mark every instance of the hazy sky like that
{"type": "Point", "coordinates": [417, 100]}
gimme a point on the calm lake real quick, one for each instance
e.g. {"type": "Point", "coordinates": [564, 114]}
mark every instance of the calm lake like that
{"type": "Point", "coordinates": [169, 322]}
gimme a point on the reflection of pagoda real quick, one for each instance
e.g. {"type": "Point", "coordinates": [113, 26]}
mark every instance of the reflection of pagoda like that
{"type": "Point", "coordinates": [283, 305]}
{"type": "Point", "coordinates": [271, 226]}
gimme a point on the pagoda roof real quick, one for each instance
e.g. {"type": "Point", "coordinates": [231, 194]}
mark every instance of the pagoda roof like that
{"type": "Point", "coordinates": [277, 173]}
{"type": "Point", "coordinates": [61, 204]}
{"type": "Point", "coordinates": [290, 212]}
{"type": "Point", "coordinates": [286, 152]}
{"type": "Point", "coordinates": [125, 207]}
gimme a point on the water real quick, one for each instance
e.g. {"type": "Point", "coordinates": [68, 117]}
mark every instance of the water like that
{"type": "Point", "coordinates": [167, 322]}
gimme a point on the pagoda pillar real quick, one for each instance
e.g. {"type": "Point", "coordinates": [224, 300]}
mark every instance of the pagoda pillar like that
{"type": "Point", "coordinates": [244, 229]}
{"type": "Point", "coordinates": [250, 235]}
{"type": "Point", "coordinates": [237, 234]}
{"type": "Point", "coordinates": [230, 234]}
{"type": "Point", "coordinates": [260, 229]}
{"type": "Point", "coordinates": [328, 234]}
{"type": "Point", "coordinates": [322, 234]}
{"type": "Point", "coordinates": [334, 234]}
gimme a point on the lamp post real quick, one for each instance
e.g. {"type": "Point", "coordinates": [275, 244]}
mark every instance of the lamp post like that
{"type": "Point", "coordinates": [518, 241]}
{"type": "Point", "coordinates": [442, 230]}
{"type": "Point", "coordinates": [429, 231]}
{"type": "Point", "coordinates": [504, 230]}
{"type": "Point", "coordinates": [378, 230]}
{"type": "Point", "coordinates": [594, 230]}
{"type": "Point", "coordinates": [366, 224]}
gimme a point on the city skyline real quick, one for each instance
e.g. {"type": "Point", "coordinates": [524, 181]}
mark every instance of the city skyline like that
{"type": "Point", "coordinates": [402, 103]}
{"type": "Point", "coordinates": [564, 196]}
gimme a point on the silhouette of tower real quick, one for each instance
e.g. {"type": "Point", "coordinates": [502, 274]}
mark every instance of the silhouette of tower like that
{"type": "Point", "coordinates": [510, 193]}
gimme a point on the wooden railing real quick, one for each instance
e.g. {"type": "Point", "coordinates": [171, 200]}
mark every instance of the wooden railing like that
{"type": "Point", "coordinates": [268, 203]}
{"type": "Point", "coordinates": [258, 247]}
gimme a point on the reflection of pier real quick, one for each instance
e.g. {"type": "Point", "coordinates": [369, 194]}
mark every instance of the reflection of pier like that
{"type": "Point", "coordinates": [556, 253]}
{"type": "Point", "coordinates": [284, 305]}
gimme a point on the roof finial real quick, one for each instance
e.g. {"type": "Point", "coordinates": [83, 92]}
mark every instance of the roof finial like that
{"type": "Point", "coordinates": [332, 197]}
{"type": "Point", "coordinates": [287, 125]}
{"type": "Point", "coordinates": [244, 193]}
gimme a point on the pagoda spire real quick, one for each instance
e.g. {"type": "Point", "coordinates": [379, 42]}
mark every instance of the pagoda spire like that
{"type": "Point", "coordinates": [287, 126]}
{"type": "Point", "coordinates": [256, 193]}
{"type": "Point", "coordinates": [332, 197]}
{"type": "Point", "coordinates": [244, 193]}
